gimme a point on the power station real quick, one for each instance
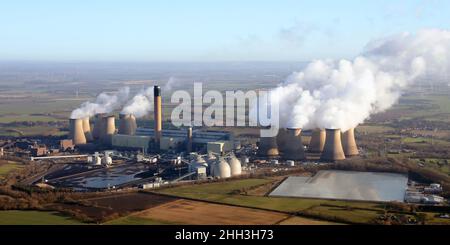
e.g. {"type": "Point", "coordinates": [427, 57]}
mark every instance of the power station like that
{"type": "Point", "coordinates": [128, 136]}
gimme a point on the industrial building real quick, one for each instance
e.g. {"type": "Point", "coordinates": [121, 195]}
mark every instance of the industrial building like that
{"type": "Point", "coordinates": [211, 141]}
{"type": "Point", "coordinates": [129, 137]}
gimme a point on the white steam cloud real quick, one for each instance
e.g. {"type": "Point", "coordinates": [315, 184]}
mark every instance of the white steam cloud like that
{"type": "Point", "coordinates": [141, 104]}
{"type": "Point", "coordinates": [342, 94]}
{"type": "Point", "coordinates": [104, 103]}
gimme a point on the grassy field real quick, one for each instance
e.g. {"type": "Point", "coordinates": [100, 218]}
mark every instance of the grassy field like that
{"type": "Point", "coordinates": [8, 166]}
{"type": "Point", "coordinates": [16, 217]}
{"type": "Point", "coordinates": [437, 164]}
{"type": "Point", "coordinates": [221, 193]}
{"type": "Point", "coordinates": [423, 140]}
{"type": "Point", "coordinates": [374, 129]}
{"type": "Point", "coordinates": [27, 118]}
{"type": "Point", "coordinates": [30, 131]}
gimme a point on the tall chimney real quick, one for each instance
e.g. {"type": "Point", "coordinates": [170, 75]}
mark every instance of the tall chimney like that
{"type": "Point", "coordinates": [317, 142]}
{"type": "Point", "coordinates": [76, 132]}
{"type": "Point", "coordinates": [127, 124]}
{"type": "Point", "coordinates": [294, 147]}
{"type": "Point", "coordinates": [349, 143]}
{"type": "Point", "coordinates": [281, 139]}
{"type": "Point", "coordinates": [189, 140]}
{"type": "Point", "coordinates": [87, 129]}
{"type": "Point", "coordinates": [333, 150]}
{"type": "Point", "coordinates": [158, 115]}
{"type": "Point", "coordinates": [109, 124]}
{"type": "Point", "coordinates": [268, 147]}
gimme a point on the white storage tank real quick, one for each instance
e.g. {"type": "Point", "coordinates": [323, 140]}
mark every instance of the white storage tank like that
{"type": "Point", "coordinates": [107, 160]}
{"type": "Point", "coordinates": [222, 169]}
{"type": "Point", "coordinates": [290, 163]}
{"type": "Point", "coordinates": [235, 166]}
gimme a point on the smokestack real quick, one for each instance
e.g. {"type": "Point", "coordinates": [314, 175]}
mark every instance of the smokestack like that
{"type": "Point", "coordinates": [158, 115]}
{"type": "Point", "coordinates": [87, 130]}
{"type": "Point", "coordinates": [98, 126]}
{"type": "Point", "coordinates": [76, 132]}
{"type": "Point", "coordinates": [127, 124]}
{"type": "Point", "coordinates": [333, 150]}
{"type": "Point", "coordinates": [317, 142]}
{"type": "Point", "coordinates": [349, 143]}
{"type": "Point", "coordinates": [294, 147]}
{"type": "Point", "coordinates": [109, 129]}
{"type": "Point", "coordinates": [189, 140]}
{"type": "Point", "coordinates": [281, 138]}
{"type": "Point", "coordinates": [268, 147]}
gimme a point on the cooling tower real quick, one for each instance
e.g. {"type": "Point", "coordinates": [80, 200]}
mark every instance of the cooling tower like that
{"type": "Point", "coordinates": [333, 150]}
{"type": "Point", "coordinates": [281, 138]}
{"type": "Point", "coordinates": [157, 115]}
{"type": "Point", "coordinates": [268, 147]}
{"type": "Point", "coordinates": [294, 147]}
{"type": "Point", "coordinates": [87, 130]}
{"type": "Point", "coordinates": [109, 129]}
{"type": "Point", "coordinates": [349, 143]}
{"type": "Point", "coordinates": [76, 132]}
{"type": "Point", "coordinates": [98, 126]}
{"type": "Point", "coordinates": [317, 142]}
{"type": "Point", "coordinates": [127, 124]}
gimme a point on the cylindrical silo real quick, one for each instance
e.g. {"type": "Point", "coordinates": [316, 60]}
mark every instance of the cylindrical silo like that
{"type": "Point", "coordinates": [222, 169]}
{"type": "Point", "coordinates": [235, 166]}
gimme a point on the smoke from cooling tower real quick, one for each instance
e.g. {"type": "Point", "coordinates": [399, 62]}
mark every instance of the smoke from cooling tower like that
{"type": "Point", "coordinates": [104, 103]}
{"type": "Point", "coordinates": [141, 104]}
{"type": "Point", "coordinates": [342, 94]}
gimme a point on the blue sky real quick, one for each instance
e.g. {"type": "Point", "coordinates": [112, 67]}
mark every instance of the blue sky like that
{"type": "Point", "coordinates": [209, 30]}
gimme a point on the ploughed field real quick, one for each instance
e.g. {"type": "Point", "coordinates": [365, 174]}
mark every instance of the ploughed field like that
{"type": "Point", "coordinates": [104, 208]}
{"type": "Point", "coordinates": [202, 213]}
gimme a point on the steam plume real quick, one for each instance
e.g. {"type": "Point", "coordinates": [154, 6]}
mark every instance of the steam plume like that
{"type": "Point", "coordinates": [141, 104]}
{"type": "Point", "coordinates": [342, 94]}
{"type": "Point", "coordinates": [104, 103]}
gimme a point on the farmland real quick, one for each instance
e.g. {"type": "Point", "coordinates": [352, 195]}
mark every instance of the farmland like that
{"type": "Point", "coordinates": [15, 217]}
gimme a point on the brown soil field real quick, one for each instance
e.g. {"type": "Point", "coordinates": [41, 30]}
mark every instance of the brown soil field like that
{"type": "Point", "coordinates": [203, 213]}
{"type": "Point", "coordinates": [95, 213]}
{"type": "Point", "coordinates": [130, 202]}
{"type": "Point", "coordinates": [102, 208]}
{"type": "Point", "coordinates": [304, 221]}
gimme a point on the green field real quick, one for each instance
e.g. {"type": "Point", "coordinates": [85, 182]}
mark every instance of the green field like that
{"type": "Point", "coordinates": [16, 217]}
{"type": "Point", "coordinates": [221, 193]}
{"type": "Point", "coordinates": [30, 131]}
{"type": "Point", "coordinates": [423, 140]}
{"type": "Point", "coordinates": [374, 129]}
{"type": "Point", "coordinates": [27, 118]}
{"type": "Point", "coordinates": [34, 106]}
{"type": "Point", "coordinates": [7, 166]}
